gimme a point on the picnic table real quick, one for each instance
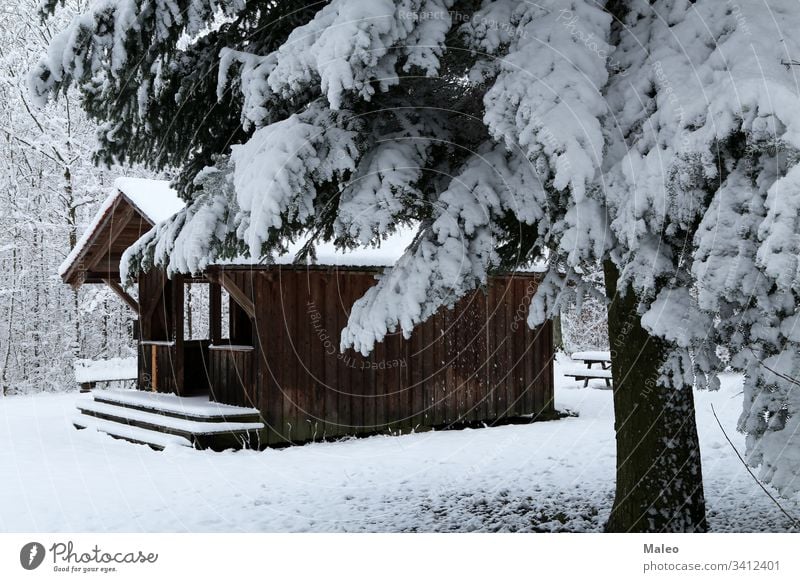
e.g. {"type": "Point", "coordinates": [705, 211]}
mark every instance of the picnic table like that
{"type": "Point", "coordinates": [596, 357]}
{"type": "Point", "coordinates": [589, 359]}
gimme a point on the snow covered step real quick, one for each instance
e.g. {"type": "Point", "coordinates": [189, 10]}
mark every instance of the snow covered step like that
{"type": "Point", "coordinates": [201, 434]}
{"type": "Point", "coordinates": [158, 440]}
{"type": "Point", "coordinates": [198, 408]}
{"type": "Point", "coordinates": [179, 425]}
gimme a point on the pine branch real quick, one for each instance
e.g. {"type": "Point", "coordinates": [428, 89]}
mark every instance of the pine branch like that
{"type": "Point", "coordinates": [795, 522]}
{"type": "Point", "coordinates": [778, 374]}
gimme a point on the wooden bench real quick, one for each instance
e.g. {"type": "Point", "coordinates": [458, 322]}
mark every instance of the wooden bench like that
{"type": "Point", "coordinates": [88, 373]}
{"type": "Point", "coordinates": [589, 374]}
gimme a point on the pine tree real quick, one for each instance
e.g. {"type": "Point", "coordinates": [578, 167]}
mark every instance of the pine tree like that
{"type": "Point", "coordinates": [657, 139]}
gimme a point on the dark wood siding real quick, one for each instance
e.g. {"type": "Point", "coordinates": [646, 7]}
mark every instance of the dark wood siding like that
{"type": "Point", "coordinates": [476, 363]}
{"type": "Point", "coordinates": [231, 375]}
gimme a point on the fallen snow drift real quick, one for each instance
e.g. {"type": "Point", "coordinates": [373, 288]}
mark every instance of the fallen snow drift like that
{"type": "Point", "coordinates": [549, 476]}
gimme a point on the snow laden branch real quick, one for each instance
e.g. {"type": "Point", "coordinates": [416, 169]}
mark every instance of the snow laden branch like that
{"type": "Point", "coordinates": [351, 48]}
{"type": "Point", "coordinates": [456, 253]}
{"type": "Point", "coordinates": [266, 183]}
{"type": "Point", "coordinates": [98, 46]}
{"type": "Point", "coordinates": [545, 101]}
{"type": "Point", "coordinates": [704, 202]}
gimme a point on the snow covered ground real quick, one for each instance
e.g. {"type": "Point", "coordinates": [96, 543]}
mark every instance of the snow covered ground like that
{"type": "Point", "coordinates": [549, 476]}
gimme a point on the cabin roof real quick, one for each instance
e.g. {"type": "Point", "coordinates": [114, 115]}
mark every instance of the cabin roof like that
{"type": "Point", "coordinates": [137, 204]}
{"type": "Point", "coordinates": [133, 208]}
{"type": "Point", "coordinates": [327, 255]}
{"type": "Point", "coordinates": [154, 198]}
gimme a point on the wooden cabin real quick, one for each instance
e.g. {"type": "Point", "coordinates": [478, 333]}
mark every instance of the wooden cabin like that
{"type": "Point", "coordinates": [273, 338]}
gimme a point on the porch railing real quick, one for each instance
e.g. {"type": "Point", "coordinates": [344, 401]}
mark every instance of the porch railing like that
{"type": "Point", "coordinates": [232, 375]}
{"type": "Point", "coordinates": [158, 366]}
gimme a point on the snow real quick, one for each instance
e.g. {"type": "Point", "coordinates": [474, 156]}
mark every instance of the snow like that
{"type": "Point", "coordinates": [195, 406]}
{"type": "Point", "coordinates": [592, 355]}
{"type": "Point", "coordinates": [454, 255]}
{"type": "Point", "coordinates": [117, 26]}
{"type": "Point", "coordinates": [385, 255]}
{"type": "Point", "coordinates": [105, 370]}
{"type": "Point", "coordinates": [713, 73]}
{"type": "Point", "coordinates": [141, 435]}
{"type": "Point", "coordinates": [548, 476]}
{"type": "Point", "coordinates": [153, 418]}
{"type": "Point", "coordinates": [154, 198]}
{"type": "Point", "coordinates": [588, 372]}
{"type": "Point", "coordinates": [669, 147]}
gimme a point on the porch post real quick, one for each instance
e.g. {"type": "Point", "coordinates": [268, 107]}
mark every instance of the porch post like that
{"type": "Point", "coordinates": [215, 312]}
{"type": "Point", "coordinates": [178, 356]}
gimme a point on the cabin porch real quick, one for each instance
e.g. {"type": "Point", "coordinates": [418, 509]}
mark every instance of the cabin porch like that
{"type": "Point", "coordinates": [218, 366]}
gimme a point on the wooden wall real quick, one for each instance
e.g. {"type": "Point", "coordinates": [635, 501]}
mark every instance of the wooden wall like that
{"type": "Point", "coordinates": [476, 363]}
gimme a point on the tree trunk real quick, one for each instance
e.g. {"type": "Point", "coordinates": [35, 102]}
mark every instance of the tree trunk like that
{"type": "Point", "coordinates": [558, 337]}
{"type": "Point", "coordinates": [659, 476]}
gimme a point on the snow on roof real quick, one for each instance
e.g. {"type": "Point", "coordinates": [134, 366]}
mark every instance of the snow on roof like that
{"type": "Point", "coordinates": [158, 202]}
{"type": "Point", "coordinates": [153, 198]}
{"type": "Point", "coordinates": [386, 255]}
{"type": "Point", "coordinates": [390, 249]}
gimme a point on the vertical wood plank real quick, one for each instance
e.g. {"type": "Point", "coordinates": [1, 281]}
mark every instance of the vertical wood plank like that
{"type": "Point", "coordinates": [511, 387]}
{"type": "Point", "coordinates": [491, 356]}
{"type": "Point", "coordinates": [395, 388]}
{"type": "Point", "coordinates": [482, 396]}
{"type": "Point", "coordinates": [471, 361]}
{"type": "Point", "coordinates": [343, 371]}
{"type": "Point", "coordinates": [428, 363]}
{"type": "Point", "coordinates": [414, 374]}
{"type": "Point", "coordinates": [548, 361]}
{"type": "Point", "coordinates": [272, 328]}
{"type": "Point", "coordinates": [316, 354]}
{"type": "Point", "coordinates": [290, 387]}
{"type": "Point", "coordinates": [353, 362]}
{"type": "Point", "coordinates": [517, 349]}
{"type": "Point", "coordinates": [440, 355]}
{"type": "Point", "coordinates": [305, 394]}
{"type": "Point", "coordinates": [528, 361]}
{"type": "Point", "coordinates": [330, 311]}
{"type": "Point", "coordinates": [500, 350]}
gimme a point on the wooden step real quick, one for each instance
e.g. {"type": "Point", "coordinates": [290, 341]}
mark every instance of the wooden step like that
{"type": "Point", "coordinates": [197, 408]}
{"type": "Point", "coordinates": [217, 435]}
{"type": "Point", "coordinates": [156, 440]}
